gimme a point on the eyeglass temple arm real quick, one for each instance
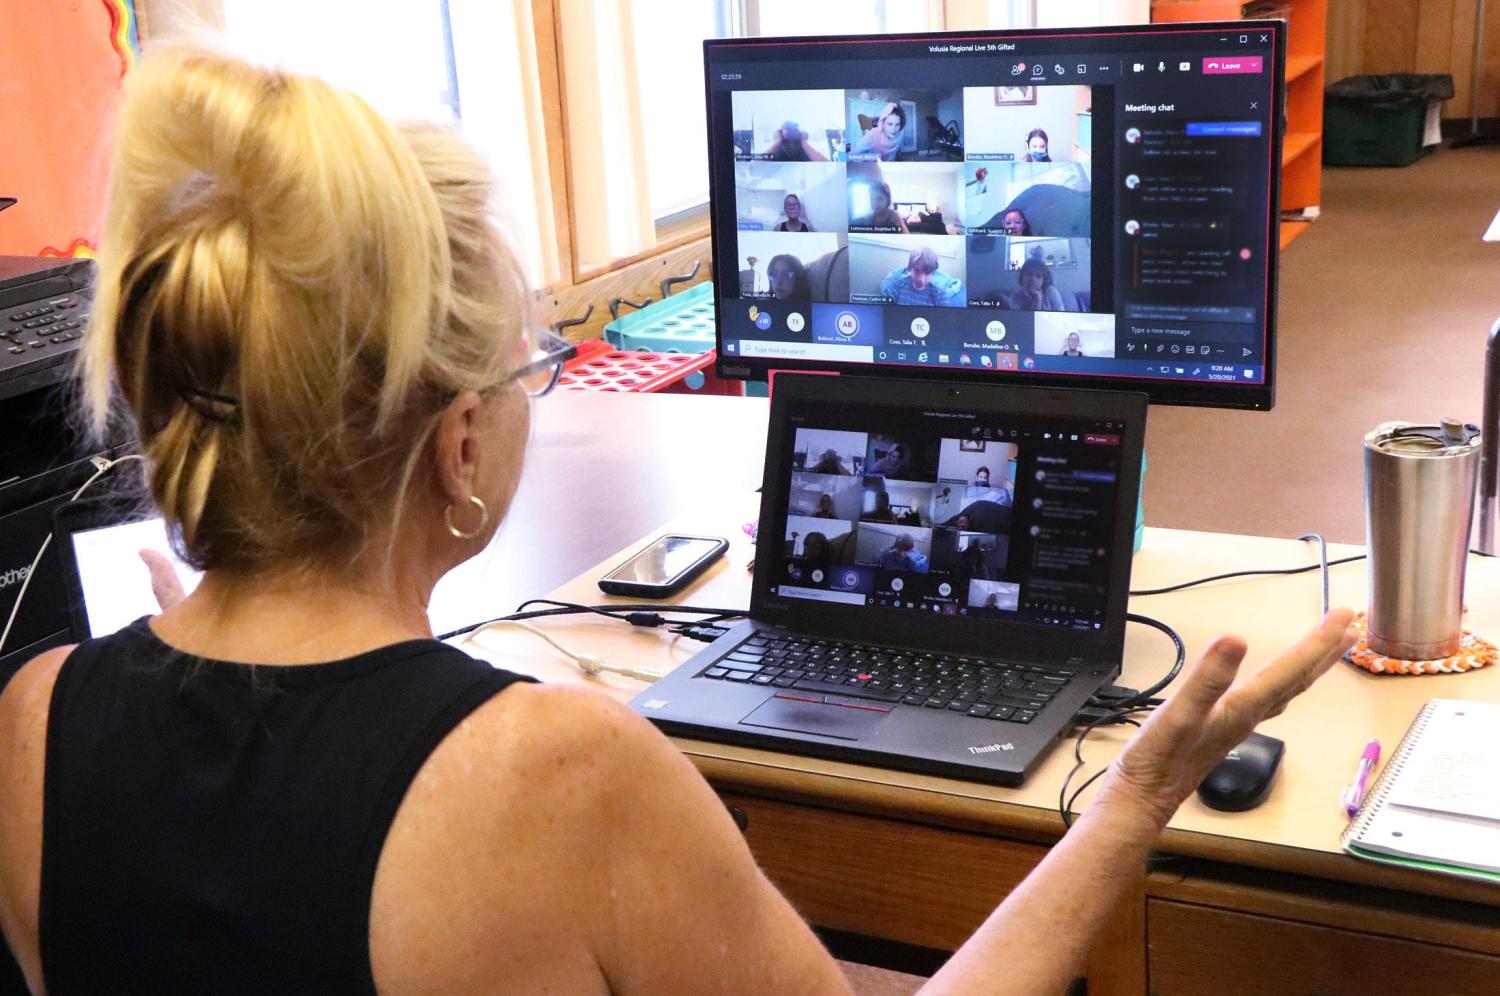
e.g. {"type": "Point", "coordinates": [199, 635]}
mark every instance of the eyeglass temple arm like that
{"type": "Point", "coordinates": [1489, 445]}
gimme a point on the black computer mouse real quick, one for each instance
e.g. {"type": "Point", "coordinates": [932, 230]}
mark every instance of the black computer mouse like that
{"type": "Point", "coordinates": [1243, 779]}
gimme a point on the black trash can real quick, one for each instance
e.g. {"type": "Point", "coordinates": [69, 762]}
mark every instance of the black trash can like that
{"type": "Point", "coordinates": [1379, 120]}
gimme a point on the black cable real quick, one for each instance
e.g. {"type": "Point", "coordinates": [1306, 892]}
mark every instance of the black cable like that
{"type": "Point", "coordinates": [1262, 573]}
{"type": "Point", "coordinates": [644, 614]}
{"type": "Point", "coordinates": [1064, 801]}
{"type": "Point", "coordinates": [616, 609]}
{"type": "Point", "coordinates": [1243, 574]}
{"type": "Point", "coordinates": [1143, 697]}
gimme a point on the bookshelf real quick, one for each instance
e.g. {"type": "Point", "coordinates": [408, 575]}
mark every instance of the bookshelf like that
{"type": "Point", "coordinates": [1302, 145]}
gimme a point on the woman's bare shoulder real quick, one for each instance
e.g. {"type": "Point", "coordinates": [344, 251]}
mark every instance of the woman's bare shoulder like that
{"type": "Point", "coordinates": [24, 700]}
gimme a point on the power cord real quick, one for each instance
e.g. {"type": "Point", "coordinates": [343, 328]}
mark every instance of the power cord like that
{"type": "Point", "coordinates": [587, 663]}
{"type": "Point", "coordinates": [103, 466]}
{"type": "Point", "coordinates": [647, 615]}
{"type": "Point", "coordinates": [1129, 698]}
{"type": "Point", "coordinates": [1066, 802]}
{"type": "Point", "coordinates": [643, 614]}
{"type": "Point", "coordinates": [1323, 565]}
{"type": "Point", "coordinates": [1116, 706]}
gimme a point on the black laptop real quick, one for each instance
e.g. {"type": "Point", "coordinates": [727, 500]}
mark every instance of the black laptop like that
{"type": "Point", "coordinates": [941, 576]}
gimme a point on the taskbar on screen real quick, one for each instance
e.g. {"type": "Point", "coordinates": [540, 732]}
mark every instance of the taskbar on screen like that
{"type": "Point", "coordinates": [1214, 368]}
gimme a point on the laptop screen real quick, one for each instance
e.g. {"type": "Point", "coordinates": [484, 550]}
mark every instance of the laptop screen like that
{"type": "Point", "coordinates": [1008, 518]}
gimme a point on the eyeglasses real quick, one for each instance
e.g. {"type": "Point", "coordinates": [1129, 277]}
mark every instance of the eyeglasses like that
{"type": "Point", "coordinates": [546, 353]}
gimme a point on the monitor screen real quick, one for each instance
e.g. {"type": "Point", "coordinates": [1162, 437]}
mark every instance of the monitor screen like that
{"type": "Point", "coordinates": [1090, 207]}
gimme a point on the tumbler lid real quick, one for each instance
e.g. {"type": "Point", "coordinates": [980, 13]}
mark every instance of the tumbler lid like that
{"type": "Point", "coordinates": [1448, 437]}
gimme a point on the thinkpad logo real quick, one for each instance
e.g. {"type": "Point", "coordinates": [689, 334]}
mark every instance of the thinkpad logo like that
{"type": "Point", "coordinates": [991, 748]}
{"type": "Point", "coordinates": [13, 576]}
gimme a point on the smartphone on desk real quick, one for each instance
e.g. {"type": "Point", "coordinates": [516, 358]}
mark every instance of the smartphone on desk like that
{"type": "Point", "coordinates": [664, 567]}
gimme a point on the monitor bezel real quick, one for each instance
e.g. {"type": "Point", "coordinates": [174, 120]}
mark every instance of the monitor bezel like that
{"type": "Point", "coordinates": [1251, 397]}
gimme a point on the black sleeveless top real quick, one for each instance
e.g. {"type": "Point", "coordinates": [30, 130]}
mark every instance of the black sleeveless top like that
{"type": "Point", "coordinates": [215, 827]}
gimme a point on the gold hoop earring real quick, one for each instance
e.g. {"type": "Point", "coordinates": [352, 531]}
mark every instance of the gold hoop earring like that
{"type": "Point", "coordinates": [484, 519]}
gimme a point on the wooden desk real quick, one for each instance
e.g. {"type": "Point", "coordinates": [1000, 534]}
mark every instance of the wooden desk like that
{"type": "Point", "coordinates": [1254, 902]}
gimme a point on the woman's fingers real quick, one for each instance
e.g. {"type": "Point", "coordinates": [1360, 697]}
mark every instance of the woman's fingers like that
{"type": "Point", "coordinates": [1208, 679]}
{"type": "Point", "coordinates": [164, 583]}
{"type": "Point", "coordinates": [1299, 666]}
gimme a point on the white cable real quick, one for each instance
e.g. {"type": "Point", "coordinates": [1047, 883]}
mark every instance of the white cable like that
{"type": "Point", "coordinates": [587, 663]}
{"type": "Point", "coordinates": [104, 466]}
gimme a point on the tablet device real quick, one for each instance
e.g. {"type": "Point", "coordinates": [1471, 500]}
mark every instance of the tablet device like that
{"type": "Point", "coordinates": [98, 546]}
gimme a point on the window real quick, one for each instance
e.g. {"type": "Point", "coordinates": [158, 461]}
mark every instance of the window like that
{"type": "Point", "coordinates": [590, 112]}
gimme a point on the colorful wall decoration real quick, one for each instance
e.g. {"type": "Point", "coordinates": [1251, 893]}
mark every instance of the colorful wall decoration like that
{"type": "Point", "coordinates": [61, 65]}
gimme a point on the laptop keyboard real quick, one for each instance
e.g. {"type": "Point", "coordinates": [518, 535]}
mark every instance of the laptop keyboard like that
{"type": "Point", "coordinates": [985, 689]}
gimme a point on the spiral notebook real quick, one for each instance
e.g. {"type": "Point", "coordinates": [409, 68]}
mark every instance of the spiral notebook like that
{"type": "Point", "coordinates": [1436, 804]}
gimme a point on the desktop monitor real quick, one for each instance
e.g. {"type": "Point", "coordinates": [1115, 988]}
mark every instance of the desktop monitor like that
{"type": "Point", "coordinates": [1092, 207]}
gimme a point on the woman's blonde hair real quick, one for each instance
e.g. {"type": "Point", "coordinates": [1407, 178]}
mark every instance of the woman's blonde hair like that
{"type": "Point", "coordinates": [291, 289]}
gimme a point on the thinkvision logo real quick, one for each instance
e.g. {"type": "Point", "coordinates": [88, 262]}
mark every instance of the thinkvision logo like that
{"type": "Point", "coordinates": [991, 748]}
{"type": "Point", "coordinates": [14, 576]}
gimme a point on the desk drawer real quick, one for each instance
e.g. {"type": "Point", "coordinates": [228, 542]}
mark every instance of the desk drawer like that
{"type": "Point", "coordinates": [923, 885]}
{"type": "Point", "coordinates": [1198, 949]}
{"type": "Point", "coordinates": [881, 877]}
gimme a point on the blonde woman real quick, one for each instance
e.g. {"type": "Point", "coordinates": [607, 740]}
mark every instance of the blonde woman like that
{"type": "Point", "coordinates": [282, 782]}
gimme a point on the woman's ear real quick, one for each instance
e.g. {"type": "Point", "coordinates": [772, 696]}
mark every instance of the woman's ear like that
{"type": "Point", "coordinates": [455, 447]}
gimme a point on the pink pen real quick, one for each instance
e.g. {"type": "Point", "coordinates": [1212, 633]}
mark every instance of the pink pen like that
{"type": "Point", "coordinates": [1354, 795]}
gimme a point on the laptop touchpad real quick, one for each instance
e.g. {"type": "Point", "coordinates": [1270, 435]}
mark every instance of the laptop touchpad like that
{"type": "Point", "coordinates": [827, 716]}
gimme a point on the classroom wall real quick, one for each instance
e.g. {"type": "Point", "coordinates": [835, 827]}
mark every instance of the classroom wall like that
{"type": "Point", "coordinates": [1422, 36]}
{"type": "Point", "coordinates": [62, 68]}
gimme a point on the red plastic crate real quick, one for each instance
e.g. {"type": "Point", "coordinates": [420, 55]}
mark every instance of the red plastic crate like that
{"type": "Point", "coordinates": [601, 367]}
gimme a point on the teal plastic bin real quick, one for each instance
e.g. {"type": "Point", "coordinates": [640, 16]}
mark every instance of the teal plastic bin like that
{"type": "Point", "coordinates": [682, 323]}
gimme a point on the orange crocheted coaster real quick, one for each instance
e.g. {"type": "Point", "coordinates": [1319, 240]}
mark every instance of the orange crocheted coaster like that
{"type": "Point", "coordinates": [1473, 652]}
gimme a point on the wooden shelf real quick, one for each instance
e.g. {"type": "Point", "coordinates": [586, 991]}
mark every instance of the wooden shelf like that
{"type": "Point", "coordinates": [1296, 143]}
{"type": "Point", "coordinates": [1301, 160]}
{"type": "Point", "coordinates": [1298, 66]}
{"type": "Point", "coordinates": [1290, 230]}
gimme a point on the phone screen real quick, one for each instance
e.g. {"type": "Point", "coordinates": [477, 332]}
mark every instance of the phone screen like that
{"type": "Point", "coordinates": [663, 560]}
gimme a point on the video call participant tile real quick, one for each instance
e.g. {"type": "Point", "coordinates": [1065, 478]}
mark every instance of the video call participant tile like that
{"type": "Point", "coordinates": [1027, 123]}
{"type": "Point", "coordinates": [848, 325]}
{"type": "Point", "coordinates": [970, 555]}
{"type": "Point", "coordinates": [787, 267]}
{"type": "Point", "coordinates": [894, 548]}
{"type": "Point", "coordinates": [920, 198]}
{"type": "Point", "coordinates": [902, 457]}
{"type": "Point", "coordinates": [792, 198]}
{"type": "Point", "coordinates": [829, 451]}
{"type": "Point", "coordinates": [819, 542]}
{"type": "Point", "coordinates": [1020, 199]}
{"type": "Point", "coordinates": [1075, 335]}
{"type": "Point", "coordinates": [902, 503]}
{"type": "Point", "coordinates": [905, 124]}
{"type": "Point", "coordinates": [1030, 274]}
{"type": "Point", "coordinates": [788, 125]}
{"type": "Point", "coordinates": [912, 270]}
{"type": "Point", "coordinates": [998, 595]}
{"type": "Point", "coordinates": [826, 496]}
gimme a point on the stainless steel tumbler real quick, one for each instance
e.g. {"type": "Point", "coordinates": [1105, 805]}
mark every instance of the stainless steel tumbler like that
{"type": "Point", "coordinates": [1419, 506]}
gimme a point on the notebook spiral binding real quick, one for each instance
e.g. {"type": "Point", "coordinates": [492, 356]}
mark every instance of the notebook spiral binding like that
{"type": "Point", "coordinates": [1387, 780]}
